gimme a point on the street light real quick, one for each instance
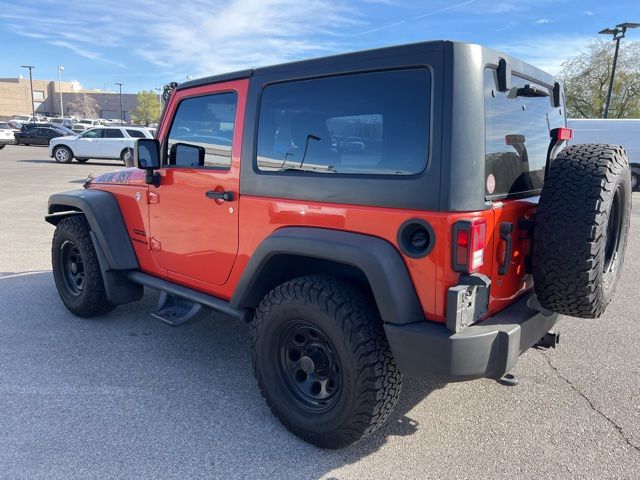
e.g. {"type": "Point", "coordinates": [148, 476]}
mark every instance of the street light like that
{"type": "Point", "coordinates": [120, 87]}
{"type": "Point", "coordinates": [33, 107]}
{"type": "Point", "coordinates": [60, 69]}
{"type": "Point", "coordinates": [618, 34]}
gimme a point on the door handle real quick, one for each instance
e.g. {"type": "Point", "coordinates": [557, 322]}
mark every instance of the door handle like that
{"type": "Point", "coordinates": [216, 195]}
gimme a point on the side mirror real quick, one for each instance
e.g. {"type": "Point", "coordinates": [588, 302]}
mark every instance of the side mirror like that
{"type": "Point", "coordinates": [146, 153]}
{"type": "Point", "coordinates": [186, 155]}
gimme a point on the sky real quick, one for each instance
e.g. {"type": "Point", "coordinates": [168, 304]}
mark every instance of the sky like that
{"type": "Point", "coordinates": [147, 43]}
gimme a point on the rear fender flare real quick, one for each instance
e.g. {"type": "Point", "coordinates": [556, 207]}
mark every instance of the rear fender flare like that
{"type": "Point", "coordinates": [377, 259]}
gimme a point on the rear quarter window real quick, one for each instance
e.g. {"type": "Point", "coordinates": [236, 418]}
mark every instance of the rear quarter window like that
{"type": "Point", "coordinates": [517, 137]}
{"type": "Point", "coordinates": [373, 123]}
{"type": "Point", "coordinates": [135, 133]}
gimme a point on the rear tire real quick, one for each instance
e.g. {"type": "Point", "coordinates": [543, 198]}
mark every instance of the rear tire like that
{"type": "Point", "coordinates": [322, 360]}
{"type": "Point", "coordinates": [82, 160]}
{"type": "Point", "coordinates": [62, 154]}
{"type": "Point", "coordinates": [635, 182]}
{"type": "Point", "coordinates": [581, 229]}
{"type": "Point", "coordinates": [76, 270]}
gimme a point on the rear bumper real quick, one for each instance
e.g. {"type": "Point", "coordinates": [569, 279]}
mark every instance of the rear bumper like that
{"type": "Point", "coordinates": [488, 349]}
{"type": "Point", "coordinates": [7, 141]}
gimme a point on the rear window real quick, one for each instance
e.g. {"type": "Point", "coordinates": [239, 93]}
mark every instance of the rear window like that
{"type": "Point", "coordinates": [4, 126]}
{"type": "Point", "coordinates": [517, 136]}
{"type": "Point", "coordinates": [367, 123]}
{"type": "Point", "coordinates": [135, 133]}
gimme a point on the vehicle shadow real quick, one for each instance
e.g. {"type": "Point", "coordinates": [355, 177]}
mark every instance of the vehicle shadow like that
{"type": "Point", "coordinates": [146, 400]}
{"type": "Point", "coordinates": [115, 163]}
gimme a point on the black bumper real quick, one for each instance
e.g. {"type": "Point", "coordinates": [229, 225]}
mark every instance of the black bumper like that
{"type": "Point", "coordinates": [488, 349]}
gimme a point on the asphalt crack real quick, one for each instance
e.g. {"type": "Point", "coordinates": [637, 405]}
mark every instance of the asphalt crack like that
{"type": "Point", "coordinates": [591, 404]}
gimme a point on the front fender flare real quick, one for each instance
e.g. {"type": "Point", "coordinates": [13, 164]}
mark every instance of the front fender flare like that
{"type": "Point", "coordinates": [105, 219]}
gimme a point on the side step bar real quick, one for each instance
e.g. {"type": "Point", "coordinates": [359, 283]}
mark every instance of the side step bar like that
{"type": "Point", "coordinates": [179, 305]}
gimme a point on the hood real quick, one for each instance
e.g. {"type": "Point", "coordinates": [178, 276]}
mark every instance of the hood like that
{"type": "Point", "coordinates": [126, 176]}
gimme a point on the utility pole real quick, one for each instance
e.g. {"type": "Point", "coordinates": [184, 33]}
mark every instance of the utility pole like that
{"type": "Point", "coordinates": [60, 69]}
{"type": "Point", "coordinates": [618, 34]}
{"type": "Point", "coordinates": [33, 106]}
{"type": "Point", "coordinates": [121, 118]}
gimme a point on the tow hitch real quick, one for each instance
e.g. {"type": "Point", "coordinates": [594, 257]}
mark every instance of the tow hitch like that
{"type": "Point", "coordinates": [550, 340]}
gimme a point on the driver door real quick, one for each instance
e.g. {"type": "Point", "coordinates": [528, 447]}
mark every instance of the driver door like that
{"type": "Point", "coordinates": [194, 231]}
{"type": "Point", "coordinates": [88, 144]}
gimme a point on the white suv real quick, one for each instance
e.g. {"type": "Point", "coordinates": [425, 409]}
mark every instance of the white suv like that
{"type": "Point", "coordinates": [103, 143]}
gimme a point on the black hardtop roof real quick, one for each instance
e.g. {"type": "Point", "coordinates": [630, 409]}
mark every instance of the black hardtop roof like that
{"type": "Point", "coordinates": [417, 47]}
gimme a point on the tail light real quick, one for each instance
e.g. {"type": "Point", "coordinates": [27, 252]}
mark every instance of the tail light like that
{"type": "Point", "coordinates": [469, 242]}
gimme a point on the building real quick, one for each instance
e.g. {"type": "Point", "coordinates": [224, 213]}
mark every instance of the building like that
{"type": "Point", "coordinates": [15, 98]}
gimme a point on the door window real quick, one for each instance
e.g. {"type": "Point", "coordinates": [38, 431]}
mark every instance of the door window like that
{"type": "Point", "coordinates": [206, 123]}
{"type": "Point", "coordinates": [94, 133]}
{"type": "Point", "coordinates": [113, 133]}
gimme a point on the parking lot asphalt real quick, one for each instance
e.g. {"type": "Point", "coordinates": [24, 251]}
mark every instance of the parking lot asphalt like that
{"type": "Point", "coordinates": [124, 396]}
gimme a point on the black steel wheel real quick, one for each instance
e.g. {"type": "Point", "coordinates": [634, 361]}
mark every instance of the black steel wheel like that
{"type": "Point", "coordinates": [309, 366]}
{"type": "Point", "coordinates": [76, 270]}
{"type": "Point", "coordinates": [72, 267]}
{"type": "Point", "coordinates": [322, 360]}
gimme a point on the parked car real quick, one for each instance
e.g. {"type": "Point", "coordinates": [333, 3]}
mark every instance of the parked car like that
{"type": "Point", "coordinates": [102, 142]}
{"type": "Point", "coordinates": [89, 122]}
{"type": "Point", "coordinates": [41, 134]}
{"type": "Point", "coordinates": [6, 135]}
{"type": "Point", "coordinates": [446, 254]}
{"type": "Point", "coordinates": [21, 119]}
{"type": "Point", "coordinates": [617, 131]}
{"type": "Point", "coordinates": [65, 122]}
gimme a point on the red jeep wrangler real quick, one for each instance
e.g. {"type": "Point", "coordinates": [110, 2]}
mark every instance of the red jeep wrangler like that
{"type": "Point", "coordinates": [401, 211]}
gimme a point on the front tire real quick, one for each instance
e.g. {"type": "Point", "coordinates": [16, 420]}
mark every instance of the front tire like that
{"type": "Point", "coordinates": [635, 182]}
{"type": "Point", "coordinates": [63, 154]}
{"type": "Point", "coordinates": [82, 160]}
{"type": "Point", "coordinates": [322, 360]}
{"type": "Point", "coordinates": [76, 270]}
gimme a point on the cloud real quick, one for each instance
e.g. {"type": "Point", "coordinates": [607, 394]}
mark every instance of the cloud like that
{"type": "Point", "coordinates": [542, 21]}
{"type": "Point", "coordinates": [411, 19]}
{"type": "Point", "coordinates": [201, 38]}
{"type": "Point", "coordinates": [588, 13]}
{"type": "Point", "coordinates": [546, 52]}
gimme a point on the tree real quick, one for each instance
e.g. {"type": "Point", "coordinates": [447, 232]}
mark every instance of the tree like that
{"type": "Point", "coordinates": [586, 81]}
{"type": "Point", "coordinates": [83, 106]}
{"type": "Point", "coordinates": [148, 108]}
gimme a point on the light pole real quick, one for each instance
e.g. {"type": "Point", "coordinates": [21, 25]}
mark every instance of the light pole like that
{"type": "Point", "coordinates": [618, 34]}
{"type": "Point", "coordinates": [120, 87]}
{"type": "Point", "coordinates": [33, 107]}
{"type": "Point", "coordinates": [60, 69]}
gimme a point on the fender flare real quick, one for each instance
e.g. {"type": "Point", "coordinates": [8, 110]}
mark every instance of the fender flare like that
{"type": "Point", "coordinates": [105, 219]}
{"type": "Point", "coordinates": [109, 235]}
{"type": "Point", "coordinates": [377, 259]}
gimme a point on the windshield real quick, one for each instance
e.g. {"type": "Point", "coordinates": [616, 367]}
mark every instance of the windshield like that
{"type": "Point", "coordinates": [87, 122]}
{"type": "Point", "coordinates": [517, 135]}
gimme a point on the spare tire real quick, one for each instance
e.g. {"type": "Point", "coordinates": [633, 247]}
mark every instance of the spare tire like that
{"type": "Point", "coordinates": [581, 229]}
